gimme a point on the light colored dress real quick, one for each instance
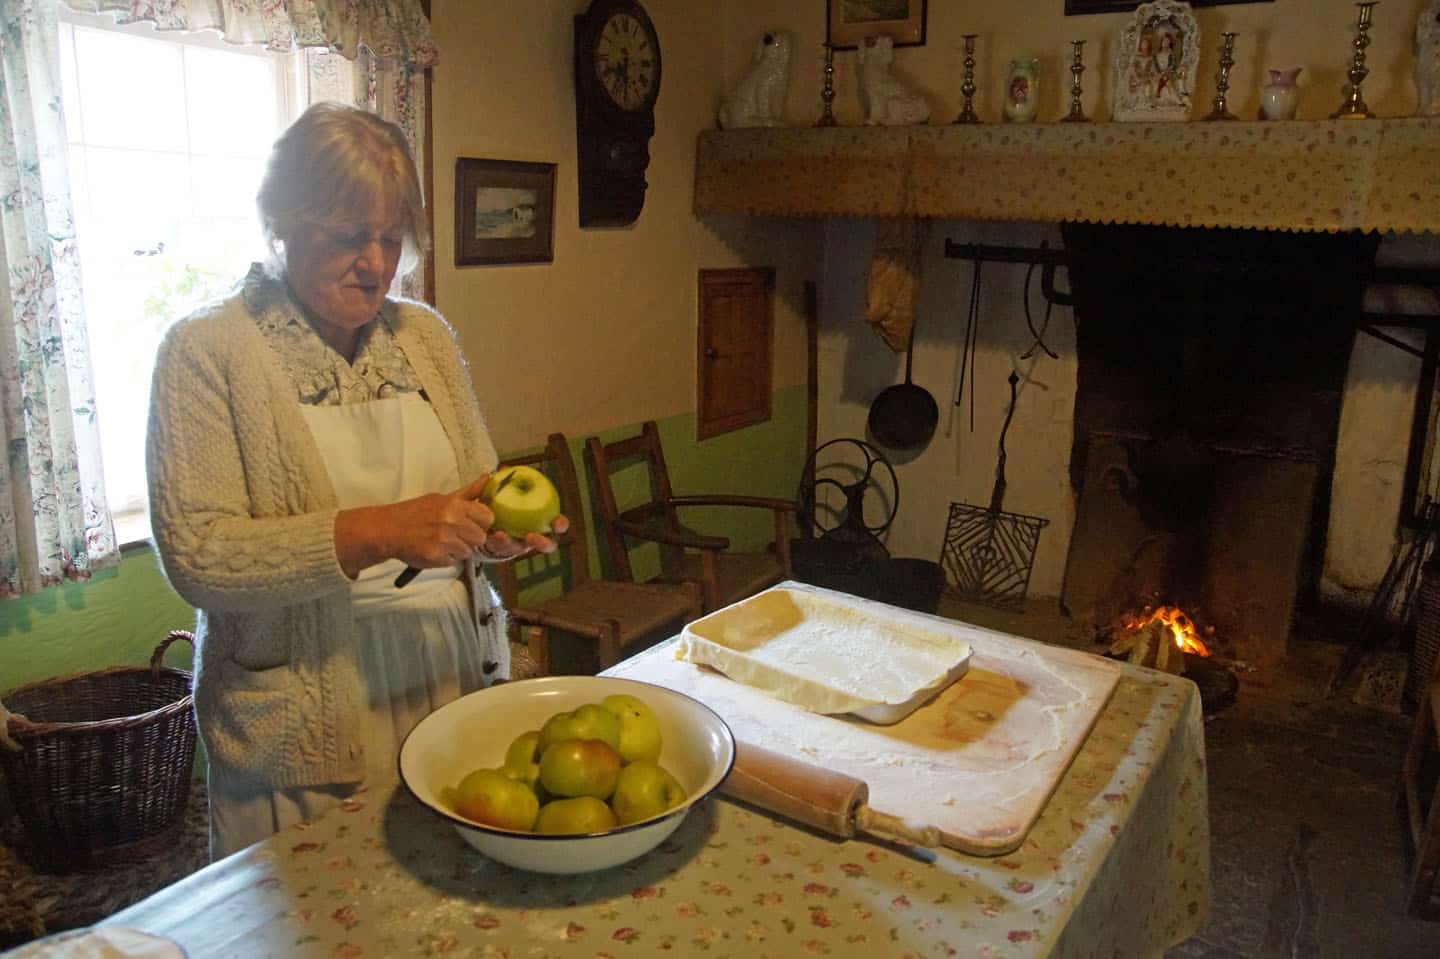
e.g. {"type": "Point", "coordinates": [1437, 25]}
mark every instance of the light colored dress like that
{"type": "Point", "coordinates": [417, 647]}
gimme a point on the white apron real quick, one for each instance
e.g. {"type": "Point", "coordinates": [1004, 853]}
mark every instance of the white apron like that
{"type": "Point", "coordinates": [416, 647]}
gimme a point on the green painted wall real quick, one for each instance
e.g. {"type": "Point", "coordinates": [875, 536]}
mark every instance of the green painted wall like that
{"type": "Point", "coordinates": [119, 616]}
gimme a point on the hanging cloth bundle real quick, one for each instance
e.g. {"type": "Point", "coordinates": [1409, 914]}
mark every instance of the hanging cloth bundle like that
{"type": "Point", "coordinates": [894, 282]}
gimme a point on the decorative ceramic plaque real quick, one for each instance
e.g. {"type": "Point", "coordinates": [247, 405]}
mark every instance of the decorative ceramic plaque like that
{"type": "Point", "coordinates": [1155, 63]}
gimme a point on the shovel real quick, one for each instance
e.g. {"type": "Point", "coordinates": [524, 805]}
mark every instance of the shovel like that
{"type": "Point", "coordinates": [988, 553]}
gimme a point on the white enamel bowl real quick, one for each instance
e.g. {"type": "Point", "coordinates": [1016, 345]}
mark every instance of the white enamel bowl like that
{"type": "Point", "coordinates": [474, 731]}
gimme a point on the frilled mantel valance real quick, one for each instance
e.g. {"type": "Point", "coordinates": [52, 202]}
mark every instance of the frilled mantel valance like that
{"type": "Point", "coordinates": [1324, 175]}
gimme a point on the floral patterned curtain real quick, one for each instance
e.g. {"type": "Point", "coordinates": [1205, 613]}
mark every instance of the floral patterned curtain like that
{"type": "Point", "coordinates": [54, 521]}
{"type": "Point", "coordinates": [52, 468]}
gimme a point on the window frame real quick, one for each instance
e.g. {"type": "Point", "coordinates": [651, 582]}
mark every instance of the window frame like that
{"type": "Point", "coordinates": [291, 92]}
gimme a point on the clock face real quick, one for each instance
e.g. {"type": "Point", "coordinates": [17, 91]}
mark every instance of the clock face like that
{"type": "Point", "coordinates": [627, 61]}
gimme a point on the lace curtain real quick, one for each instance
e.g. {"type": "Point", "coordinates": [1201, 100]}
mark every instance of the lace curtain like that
{"type": "Point", "coordinates": [54, 521]}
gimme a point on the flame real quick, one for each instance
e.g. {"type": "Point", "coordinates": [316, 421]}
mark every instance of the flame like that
{"type": "Point", "coordinates": [1182, 628]}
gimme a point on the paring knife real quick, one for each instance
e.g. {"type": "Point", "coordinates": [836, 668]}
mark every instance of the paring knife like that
{"type": "Point", "coordinates": [412, 571]}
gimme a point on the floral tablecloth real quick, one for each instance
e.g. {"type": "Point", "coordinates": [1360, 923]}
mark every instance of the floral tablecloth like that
{"type": "Point", "coordinates": [1117, 865]}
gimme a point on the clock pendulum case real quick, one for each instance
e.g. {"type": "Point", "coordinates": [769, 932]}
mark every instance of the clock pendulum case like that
{"type": "Point", "coordinates": [617, 81]}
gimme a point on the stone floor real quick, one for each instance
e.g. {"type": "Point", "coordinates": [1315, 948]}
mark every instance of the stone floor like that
{"type": "Point", "coordinates": [1308, 855]}
{"type": "Point", "coordinates": [1308, 851]}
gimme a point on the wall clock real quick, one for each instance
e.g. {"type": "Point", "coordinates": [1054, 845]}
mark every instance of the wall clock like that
{"type": "Point", "coordinates": [617, 81]}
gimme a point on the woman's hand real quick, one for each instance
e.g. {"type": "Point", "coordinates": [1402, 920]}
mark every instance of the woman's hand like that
{"type": "Point", "coordinates": [436, 529]}
{"type": "Point", "coordinates": [501, 546]}
{"type": "Point", "coordinates": [430, 531]}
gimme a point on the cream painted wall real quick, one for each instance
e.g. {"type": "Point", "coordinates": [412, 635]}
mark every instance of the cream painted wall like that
{"type": "Point", "coordinates": [960, 465]}
{"type": "Point", "coordinates": [604, 335]}
{"type": "Point", "coordinates": [1314, 34]}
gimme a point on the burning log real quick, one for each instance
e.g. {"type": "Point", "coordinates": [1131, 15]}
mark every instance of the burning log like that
{"type": "Point", "coordinates": [1151, 645]}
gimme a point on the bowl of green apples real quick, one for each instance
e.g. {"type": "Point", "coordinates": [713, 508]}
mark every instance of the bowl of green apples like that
{"type": "Point", "coordinates": [567, 774]}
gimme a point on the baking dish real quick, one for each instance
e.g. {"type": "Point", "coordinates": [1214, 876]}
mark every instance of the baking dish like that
{"type": "Point", "coordinates": [829, 652]}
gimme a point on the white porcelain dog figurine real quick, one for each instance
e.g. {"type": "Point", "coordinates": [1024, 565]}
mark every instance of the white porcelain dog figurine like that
{"type": "Point", "coordinates": [886, 100]}
{"type": "Point", "coordinates": [759, 99]}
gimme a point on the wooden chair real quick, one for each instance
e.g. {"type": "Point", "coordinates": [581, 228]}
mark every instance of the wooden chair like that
{"type": "Point", "coordinates": [686, 556]}
{"type": "Point", "coordinates": [1424, 825]}
{"type": "Point", "coordinates": [613, 614]}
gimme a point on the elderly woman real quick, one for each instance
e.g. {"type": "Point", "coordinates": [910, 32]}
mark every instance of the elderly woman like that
{"type": "Point", "coordinates": [310, 437]}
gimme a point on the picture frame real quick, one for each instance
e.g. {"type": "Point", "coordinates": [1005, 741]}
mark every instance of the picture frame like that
{"type": "Point", "coordinates": [504, 212]}
{"type": "Point", "coordinates": [849, 22]}
{"type": "Point", "coordinates": [1078, 8]}
{"type": "Point", "coordinates": [1155, 63]}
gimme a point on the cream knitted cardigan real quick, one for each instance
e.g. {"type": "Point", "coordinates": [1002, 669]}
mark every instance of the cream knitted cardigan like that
{"type": "Point", "coordinates": [243, 515]}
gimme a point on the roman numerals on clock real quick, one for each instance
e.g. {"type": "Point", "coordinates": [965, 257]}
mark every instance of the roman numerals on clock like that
{"type": "Point", "coordinates": [625, 61]}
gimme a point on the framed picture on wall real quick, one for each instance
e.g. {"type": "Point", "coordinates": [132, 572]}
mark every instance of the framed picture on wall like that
{"type": "Point", "coordinates": [1079, 7]}
{"type": "Point", "coordinates": [848, 22]}
{"type": "Point", "coordinates": [504, 212]}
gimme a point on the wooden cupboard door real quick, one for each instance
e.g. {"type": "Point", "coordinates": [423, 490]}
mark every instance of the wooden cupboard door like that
{"type": "Point", "coordinates": [734, 355]}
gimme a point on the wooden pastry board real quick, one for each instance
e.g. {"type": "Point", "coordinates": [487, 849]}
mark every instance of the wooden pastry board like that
{"type": "Point", "coordinates": [978, 763]}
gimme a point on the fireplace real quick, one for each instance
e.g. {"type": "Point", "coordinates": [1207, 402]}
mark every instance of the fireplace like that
{"type": "Point", "coordinates": [1211, 370]}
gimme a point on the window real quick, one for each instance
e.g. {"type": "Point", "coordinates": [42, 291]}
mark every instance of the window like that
{"type": "Point", "coordinates": [167, 136]}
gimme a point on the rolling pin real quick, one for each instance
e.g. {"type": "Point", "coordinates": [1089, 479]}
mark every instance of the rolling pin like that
{"type": "Point", "coordinates": [823, 799]}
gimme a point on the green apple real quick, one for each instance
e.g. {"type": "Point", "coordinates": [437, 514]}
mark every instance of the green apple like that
{"type": "Point", "coordinates": [639, 729]}
{"type": "Point", "coordinates": [581, 814]}
{"type": "Point", "coordinates": [644, 790]}
{"type": "Point", "coordinates": [489, 796]}
{"type": "Point", "coordinates": [580, 767]}
{"type": "Point", "coordinates": [522, 759]}
{"type": "Point", "coordinates": [526, 504]}
{"type": "Point", "coordinates": [590, 721]}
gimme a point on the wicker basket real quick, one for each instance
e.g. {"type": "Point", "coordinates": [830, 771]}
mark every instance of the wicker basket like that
{"type": "Point", "coordinates": [103, 773]}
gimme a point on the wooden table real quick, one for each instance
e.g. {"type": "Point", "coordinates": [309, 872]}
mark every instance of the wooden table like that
{"type": "Point", "coordinates": [1118, 864]}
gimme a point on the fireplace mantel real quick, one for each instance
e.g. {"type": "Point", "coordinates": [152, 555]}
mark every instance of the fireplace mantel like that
{"type": "Point", "coordinates": [1325, 175]}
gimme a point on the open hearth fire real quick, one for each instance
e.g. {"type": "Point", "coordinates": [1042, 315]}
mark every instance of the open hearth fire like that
{"type": "Point", "coordinates": [1169, 625]}
{"type": "Point", "coordinates": [1211, 366]}
{"type": "Point", "coordinates": [1167, 638]}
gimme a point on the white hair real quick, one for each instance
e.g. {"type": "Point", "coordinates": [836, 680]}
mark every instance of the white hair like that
{"type": "Point", "coordinates": [331, 168]}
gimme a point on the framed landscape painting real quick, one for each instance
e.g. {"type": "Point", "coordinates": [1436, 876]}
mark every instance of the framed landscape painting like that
{"type": "Point", "coordinates": [504, 211]}
{"type": "Point", "coordinates": [848, 22]}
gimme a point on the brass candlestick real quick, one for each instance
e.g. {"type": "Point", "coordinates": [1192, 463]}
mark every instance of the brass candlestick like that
{"type": "Point", "coordinates": [1077, 67]}
{"type": "Point", "coordinates": [827, 92]}
{"type": "Point", "coordinates": [1354, 108]}
{"type": "Point", "coordinates": [967, 88]}
{"type": "Point", "coordinates": [1219, 111]}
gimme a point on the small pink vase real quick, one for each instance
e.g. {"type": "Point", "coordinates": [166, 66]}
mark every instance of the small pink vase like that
{"type": "Point", "coordinates": [1280, 97]}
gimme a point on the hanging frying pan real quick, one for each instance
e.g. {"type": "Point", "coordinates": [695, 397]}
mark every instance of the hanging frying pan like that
{"type": "Point", "coordinates": [903, 416]}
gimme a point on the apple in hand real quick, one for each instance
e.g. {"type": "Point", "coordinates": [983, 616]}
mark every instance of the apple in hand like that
{"type": "Point", "coordinates": [644, 790]}
{"type": "Point", "coordinates": [526, 504]}
{"type": "Point", "coordinates": [580, 767]}
{"type": "Point", "coordinates": [639, 729]}
{"type": "Point", "coordinates": [489, 796]}
{"type": "Point", "coordinates": [590, 721]}
{"type": "Point", "coordinates": [581, 814]}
